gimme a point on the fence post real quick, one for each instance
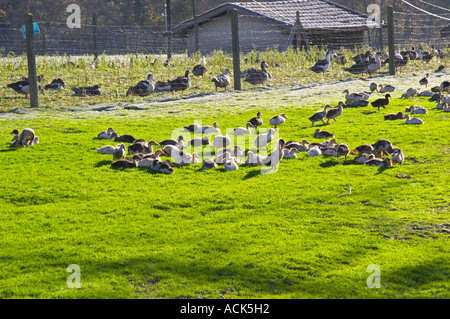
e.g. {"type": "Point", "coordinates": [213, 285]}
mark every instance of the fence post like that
{"type": "Point", "coordinates": [32, 78]}
{"type": "Point", "coordinates": [236, 51]}
{"type": "Point", "coordinates": [168, 30]}
{"type": "Point", "coordinates": [390, 18]}
{"type": "Point", "coordinates": [94, 35]}
{"type": "Point", "coordinates": [197, 48]}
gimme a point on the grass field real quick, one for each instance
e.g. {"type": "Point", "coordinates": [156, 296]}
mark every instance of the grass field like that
{"type": "Point", "coordinates": [297, 233]}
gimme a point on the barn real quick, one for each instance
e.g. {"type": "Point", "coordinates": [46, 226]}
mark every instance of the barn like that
{"type": "Point", "coordinates": [265, 25]}
{"type": "Point", "coordinates": [445, 32]}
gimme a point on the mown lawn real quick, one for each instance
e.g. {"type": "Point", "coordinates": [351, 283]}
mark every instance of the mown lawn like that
{"type": "Point", "coordinates": [297, 233]}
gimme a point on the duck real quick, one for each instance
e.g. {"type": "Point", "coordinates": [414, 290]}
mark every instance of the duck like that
{"type": "Point", "coordinates": [192, 128]}
{"type": "Point", "coordinates": [394, 116]}
{"type": "Point", "coordinates": [162, 166]}
{"type": "Point", "coordinates": [397, 156]}
{"type": "Point", "coordinates": [264, 139]}
{"type": "Point", "coordinates": [314, 151]}
{"type": "Point", "coordinates": [375, 65]}
{"type": "Point", "coordinates": [23, 87]}
{"type": "Point", "coordinates": [155, 155]}
{"type": "Point", "coordinates": [169, 149]}
{"type": "Point", "coordinates": [365, 148]}
{"type": "Point", "coordinates": [425, 93]}
{"type": "Point", "coordinates": [409, 93]}
{"type": "Point", "coordinates": [425, 55]}
{"type": "Point", "coordinates": [364, 157]}
{"type": "Point", "coordinates": [243, 130]}
{"type": "Point", "coordinates": [256, 121]}
{"type": "Point", "coordinates": [412, 120]}
{"type": "Point", "coordinates": [208, 164]}
{"type": "Point", "coordinates": [108, 134]}
{"type": "Point", "coordinates": [440, 69]}
{"type": "Point", "coordinates": [119, 153]}
{"type": "Point", "coordinates": [322, 65]}
{"type": "Point", "coordinates": [124, 138]}
{"type": "Point", "coordinates": [172, 141]}
{"type": "Point", "coordinates": [145, 148]}
{"type": "Point", "coordinates": [87, 90]}
{"type": "Point", "coordinates": [199, 70]}
{"type": "Point", "coordinates": [440, 105]}
{"type": "Point", "coordinates": [329, 143]}
{"type": "Point", "coordinates": [378, 162]}
{"type": "Point", "coordinates": [181, 158]}
{"type": "Point", "coordinates": [109, 149]}
{"type": "Point", "coordinates": [181, 83]}
{"type": "Point", "coordinates": [446, 107]}
{"type": "Point", "coordinates": [355, 97]}
{"type": "Point", "coordinates": [162, 87]}
{"type": "Point", "coordinates": [230, 163]}
{"type": "Point", "coordinates": [358, 68]}
{"type": "Point", "coordinates": [198, 142]}
{"type": "Point", "coordinates": [322, 134]}
{"type": "Point", "coordinates": [410, 54]}
{"type": "Point", "coordinates": [386, 88]}
{"type": "Point", "coordinates": [373, 87]}
{"type": "Point", "coordinates": [416, 109]}
{"type": "Point", "coordinates": [275, 157]}
{"type": "Point", "coordinates": [319, 116]}
{"type": "Point", "coordinates": [26, 138]}
{"type": "Point", "coordinates": [221, 141]}
{"type": "Point", "coordinates": [55, 85]}
{"type": "Point", "coordinates": [301, 147]}
{"type": "Point", "coordinates": [333, 113]}
{"type": "Point", "coordinates": [142, 88]}
{"type": "Point", "coordinates": [381, 102]}
{"type": "Point", "coordinates": [16, 136]}
{"type": "Point", "coordinates": [342, 150]}
{"type": "Point", "coordinates": [383, 146]}
{"type": "Point", "coordinates": [254, 159]}
{"type": "Point", "coordinates": [357, 103]}
{"type": "Point", "coordinates": [206, 129]}
{"type": "Point", "coordinates": [236, 151]}
{"type": "Point", "coordinates": [329, 151]}
{"type": "Point", "coordinates": [256, 77]}
{"type": "Point", "coordinates": [125, 163]}
{"type": "Point", "coordinates": [222, 80]}
{"type": "Point", "coordinates": [445, 86]}
{"type": "Point", "coordinates": [424, 81]}
{"type": "Point", "coordinates": [277, 120]}
{"type": "Point", "coordinates": [290, 153]}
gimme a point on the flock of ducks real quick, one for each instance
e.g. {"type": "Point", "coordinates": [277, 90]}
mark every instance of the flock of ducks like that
{"type": "Point", "coordinates": [143, 154]}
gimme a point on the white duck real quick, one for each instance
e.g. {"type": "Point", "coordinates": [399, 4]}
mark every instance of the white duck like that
{"type": "Point", "coordinates": [263, 139]}
{"type": "Point", "coordinates": [243, 130]}
{"type": "Point", "coordinates": [413, 120]}
{"type": "Point", "coordinates": [290, 154]}
{"type": "Point", "coordinates": [314, 151]}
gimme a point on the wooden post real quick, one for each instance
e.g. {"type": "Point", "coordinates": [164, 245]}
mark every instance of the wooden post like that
{"type": "Point", "coordinates": [381, 27]}
{"type": "Point", "coordinates": [236, 51]}
{"type": "Point", "coordinates": [197, 48]}
{"type": "Point", "coordinates": [94, 35]}
{"type": "Point", "coordinates": [32, 77]}
{"type": "Point", "coordinates": [390, 18]}
{"type": "Point", "coordinates": [168, 30]}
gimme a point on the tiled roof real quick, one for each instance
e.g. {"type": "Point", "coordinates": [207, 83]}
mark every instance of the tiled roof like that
{"type": "Point", "coordinates": [314, 14]}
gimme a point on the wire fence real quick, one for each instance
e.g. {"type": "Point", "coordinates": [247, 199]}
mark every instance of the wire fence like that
{"type": "Point", "coordinates": [255, 32]}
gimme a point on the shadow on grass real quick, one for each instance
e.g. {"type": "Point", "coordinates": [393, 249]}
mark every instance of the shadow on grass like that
{"type": "Point", "coordinates": [10, 149]}
{"type": "Point", "coordinates": [103, 163]}
{"type": "Point", "coordinates": [382, 169]}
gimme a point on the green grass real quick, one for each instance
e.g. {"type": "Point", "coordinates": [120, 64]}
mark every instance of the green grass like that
{"type": "Point", "coordinates": [214, 234]}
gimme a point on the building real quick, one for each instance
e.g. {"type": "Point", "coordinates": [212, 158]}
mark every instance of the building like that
{"type": "Point", "coordinates": [445, 32]}
{"type": "Point", "coordinates": [265, 25]}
